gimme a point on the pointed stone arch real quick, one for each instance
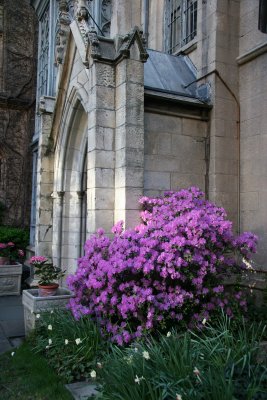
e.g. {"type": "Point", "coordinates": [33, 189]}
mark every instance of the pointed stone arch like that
{"type": "Point", "coordinates": [69, 189]}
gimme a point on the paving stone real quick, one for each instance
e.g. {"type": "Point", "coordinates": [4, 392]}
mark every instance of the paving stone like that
{"type": "Point", "coordinates": [82, 390]}
{"type": "Point", "coordinates": [4, 345]}
{"type": "Point", "coordinates": [13, 328]}
{"type": "Point", "coordinates": [11, 323]}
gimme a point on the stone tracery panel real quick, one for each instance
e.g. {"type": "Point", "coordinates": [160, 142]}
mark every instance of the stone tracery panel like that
{"type": "Point", "coordinates": [105, 16]}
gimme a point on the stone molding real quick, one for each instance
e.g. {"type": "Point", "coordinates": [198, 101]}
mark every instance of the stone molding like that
{"type": "Point", "coordinates": [46, 105]}
{"type": "Point", "coordinates": [251, 54]}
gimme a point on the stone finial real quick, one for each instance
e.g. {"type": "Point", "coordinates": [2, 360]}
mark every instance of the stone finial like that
{"type": "Point", "coordinates": [136, 35]}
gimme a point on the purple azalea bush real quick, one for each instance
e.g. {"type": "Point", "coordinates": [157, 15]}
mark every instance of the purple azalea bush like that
{"type": "Point", "coordinates": [167, 271]}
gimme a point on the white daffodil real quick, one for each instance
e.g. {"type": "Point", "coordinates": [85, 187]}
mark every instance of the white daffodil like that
{"type": "Point", "coordinates": [49, 341]}
{"type": "Point", "coordinates": [78, 341]}
{"type": "Point", "coordinates": [12, 354]}
{"type": "Point", "coordinates": [49, 327]}
{"type": "Point", "coordinates": [146, 355]}
{"type": "Point", "coordinates": [204, 321]}
{"type": "Point", "coordinates": [38, 316]}
{"type": "Point", "coordinates": [169, 334]}
{"type": "Point", "coordinates": [129, 359]}
{"type": "Point", "coordinates": [138, 380]}
{"type": "Point", "coordinates": [51, 312]}
{"type": "Point", "coordinates": [93, 374]}
{"type": "Point", "coordinates": [66, 341]}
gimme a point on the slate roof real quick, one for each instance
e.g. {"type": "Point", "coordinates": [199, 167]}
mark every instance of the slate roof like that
{"type": "Point", "coordinates": [169, 74]}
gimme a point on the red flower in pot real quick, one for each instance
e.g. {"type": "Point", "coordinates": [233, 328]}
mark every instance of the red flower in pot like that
{"type": "Point", "coordinates": [47, 274]}
{"type": "Point", "coordinates": [9, 253]}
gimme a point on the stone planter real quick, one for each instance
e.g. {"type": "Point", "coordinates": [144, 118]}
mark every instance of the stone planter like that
{"type": "Point", "coordinates": [10, 279]}
{"type": "Point", "coordinates": [33, 305]}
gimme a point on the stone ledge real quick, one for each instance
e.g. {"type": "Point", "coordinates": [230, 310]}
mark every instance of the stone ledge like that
{"type": "Point", "coordinates": [251, 54]}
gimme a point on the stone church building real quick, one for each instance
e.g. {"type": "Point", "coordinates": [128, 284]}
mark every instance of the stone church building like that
{"type": "Point", "coordinates": [136, 97]}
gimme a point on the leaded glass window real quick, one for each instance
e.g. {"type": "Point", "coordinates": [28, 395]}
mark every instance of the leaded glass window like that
{"type": "Point", "coordinates": [190, 21]}
{"type": "Point", "coordinates": [181, 23]}
{"type": "Point", "coordinates": [43, 54]}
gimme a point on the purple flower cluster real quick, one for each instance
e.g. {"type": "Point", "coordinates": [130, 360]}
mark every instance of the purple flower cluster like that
{"type": "Point", "coordinates": [167, 271]}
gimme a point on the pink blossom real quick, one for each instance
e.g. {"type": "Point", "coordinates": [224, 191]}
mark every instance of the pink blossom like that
{"type": "Point", "coordinates": [38, 260]}
{"type": "Point", "coordinates": [168, 268]}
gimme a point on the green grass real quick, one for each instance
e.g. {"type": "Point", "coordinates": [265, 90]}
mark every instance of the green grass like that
{"type": "Point", "coordinates": [27, 376]}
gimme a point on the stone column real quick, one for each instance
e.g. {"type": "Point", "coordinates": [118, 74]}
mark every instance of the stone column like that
{"type": "Point", "coordinates": [101, 124]}
{"type": "Point", "coordinates": [217, 49]}
{"type": "Point", "coordinates": [58, 198]}
{"type": "Point", "coordinates": [129, 137]}
{"type": "Point", "coordinates": [45, 177]}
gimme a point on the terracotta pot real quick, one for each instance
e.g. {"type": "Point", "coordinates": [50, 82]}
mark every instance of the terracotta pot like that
{"type": "Point", "coordinates": [47, 290]}
{"type": "Point", "coordinates": [4, 261]}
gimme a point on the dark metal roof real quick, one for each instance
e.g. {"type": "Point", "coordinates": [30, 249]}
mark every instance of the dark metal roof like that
{"type": "Point", "coordinates": [169, 74]}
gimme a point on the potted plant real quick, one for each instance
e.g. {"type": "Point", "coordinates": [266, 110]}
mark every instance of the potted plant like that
{"type": "Point", "coordinates": [47, 274]}
{"type": "Point", "coordinates": [9, 253]}
{"type": "Point", "coordinates": [48, 297]}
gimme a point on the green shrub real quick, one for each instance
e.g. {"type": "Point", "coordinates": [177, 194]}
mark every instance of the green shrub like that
{"type": "Point", "coordinates": [18, 236]}
{"type": "Point", "coordinates": [71, 346]}
{"type": "Point", "coordinates": [219, 363]}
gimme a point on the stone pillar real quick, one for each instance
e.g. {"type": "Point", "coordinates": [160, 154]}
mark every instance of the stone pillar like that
{"type": "Point", "coordinates": [101, 124]}
{"type": "Point", "coordinates": [129, 137]}
{"type": "Point", "coordinates": [45, 178]}
{"type": "Point", "coordinates": [215, 59]}
{"type": "Point", "coordinates": [58, 198]}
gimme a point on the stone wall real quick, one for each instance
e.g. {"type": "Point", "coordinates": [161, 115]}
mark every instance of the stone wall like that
{"type": "Point", "coordinates": [252, 62]}
{"type": "Point", "coordinates": [213, 52]}
{"type": "Point", "coordinates": [17, 106]}
{"type": "Point", "coordinates": [175, 153]}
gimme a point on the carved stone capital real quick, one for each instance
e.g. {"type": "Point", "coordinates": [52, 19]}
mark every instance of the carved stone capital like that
{"type": "Point", "coordinates": [80, 194]}
{"type": "Point", "coordinates": [60, 194]}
